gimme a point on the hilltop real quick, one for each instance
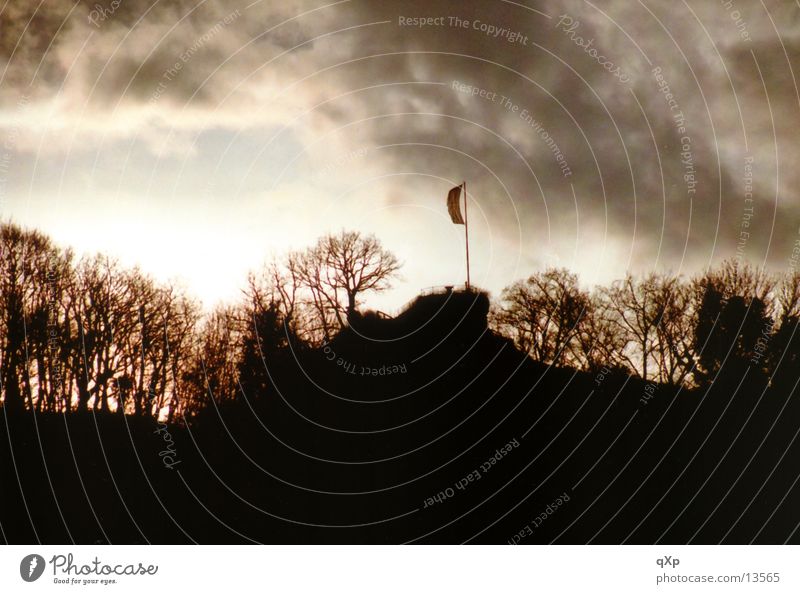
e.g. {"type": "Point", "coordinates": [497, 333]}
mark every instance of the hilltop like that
{"type": "Point", "coordinates": [452, 435]}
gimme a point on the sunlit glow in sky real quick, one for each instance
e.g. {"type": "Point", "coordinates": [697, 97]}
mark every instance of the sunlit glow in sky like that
{"type": "Point", "coordinates": [285, 122]}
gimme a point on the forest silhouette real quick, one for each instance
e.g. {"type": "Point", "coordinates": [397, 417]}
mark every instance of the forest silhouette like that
{"type": "Point", "coordinates": [663, 407]}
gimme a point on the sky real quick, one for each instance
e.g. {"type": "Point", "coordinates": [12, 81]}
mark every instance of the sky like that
{"type": "Point", "coordinates": [202, 139]}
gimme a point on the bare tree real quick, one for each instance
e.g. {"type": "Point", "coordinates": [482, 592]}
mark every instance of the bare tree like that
{"type": "Point", "coordinates": [162, 320]}
{"type": "Point", "coordinates": [212, 370]}
{"type": "Point", "coordinates": [278, 288]}
{"type": "Point", "coordinates": [28, 259]}
{"type": "Point", "coordinates": [673, 353]}
{"type": "Point", "coordinates": [340, 268]}
{"type": "Point", "coordinates": [545, 315]}
{"type": "Point", "coordinates": [734, 307]}
{"type": "Point", "coordinates": [632, 305]}
{"type": "Point", "coordinates": [601, 342]}
{"type": "Point", "coordinates": [180, 317]}
{"type": "Point", "coordinates": [788, 297]}
{"type": "Point", "coordinates": [737, 278]}
{"type": "Point", "coordinates": [102, 314]}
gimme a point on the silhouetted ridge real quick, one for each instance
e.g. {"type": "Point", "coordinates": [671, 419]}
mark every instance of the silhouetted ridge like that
{"type": "Point", "coordinates": [657, 408]}
{"type": "Point", "coordinates": [438, 311]}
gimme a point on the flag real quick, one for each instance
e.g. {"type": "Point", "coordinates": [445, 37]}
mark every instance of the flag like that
{"type": "Point", "coordinates": [454, 205]}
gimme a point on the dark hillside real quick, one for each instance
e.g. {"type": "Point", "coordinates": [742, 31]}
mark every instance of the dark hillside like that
{"type": "Point", "coordinates": [428, 428]}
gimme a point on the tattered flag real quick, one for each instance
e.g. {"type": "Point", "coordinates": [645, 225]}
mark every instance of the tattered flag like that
{"type": "Point", "coordinates": [454, 205]}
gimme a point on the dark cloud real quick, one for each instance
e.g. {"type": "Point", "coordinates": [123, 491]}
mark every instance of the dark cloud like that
{"type": "Point", "coordinates": [624, 149]}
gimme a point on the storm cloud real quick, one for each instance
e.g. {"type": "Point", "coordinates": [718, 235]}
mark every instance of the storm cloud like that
{"type": "Point", "coordinates": [601, 137]}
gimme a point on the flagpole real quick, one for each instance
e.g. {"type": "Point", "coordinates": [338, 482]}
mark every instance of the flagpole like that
{"type": "Point", "coordinates": [466, 230]}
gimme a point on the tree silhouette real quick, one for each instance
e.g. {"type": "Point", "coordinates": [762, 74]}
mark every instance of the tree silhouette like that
{"type": "Point", "coordinates": [545, 315]}
{"type": "Point", "coordinates": [788, 297]}
{"type": "Point", "coordinates": [269, 330]}
{"type": "Point", "coordinates": [601, 343]}
{"type": "Point", "coordinates": [94, 336]}
{"type": "Point", "coordinates": [635, 308]}
{"type": "Point", "coordinates": [29, 260]}
{"type": "Point", "coordinates": [212, 368]}
{"type": "Point", "coordinates": [673, 354]}
{"type": "Point", "coordinates": [733, 317]}
{"type": "Point", "coordinates": [124, 351]}
{"type": "Point", "coordinates": [341, 267]}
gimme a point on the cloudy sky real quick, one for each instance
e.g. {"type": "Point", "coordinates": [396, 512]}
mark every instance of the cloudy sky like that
{"type": "Point", "coordinates": [198, 139]}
